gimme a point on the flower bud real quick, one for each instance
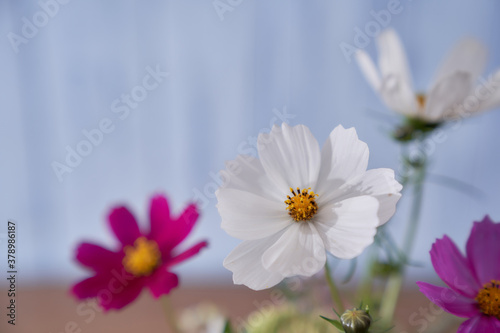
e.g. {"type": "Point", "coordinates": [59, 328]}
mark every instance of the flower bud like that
{"type": "Point", "coordinates": [356, 321]}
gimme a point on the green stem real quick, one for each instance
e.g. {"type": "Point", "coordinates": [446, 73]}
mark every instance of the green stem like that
{"type": "Point", "coordinates": [364, 293]}
{"type": "Point", "coordinates": [416, 209]}
{"type": "Point", "coordinates": [169, 312]}
{"type": "Point", "coordinates": [390, 297]}
{"type": "Point", "coordinates": [395, 282]}
{"type": "Point", "coordinates": [334, 292]}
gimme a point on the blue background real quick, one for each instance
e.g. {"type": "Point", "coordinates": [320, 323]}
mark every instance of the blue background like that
{"type": "Point", "coordinates": [229, 75]}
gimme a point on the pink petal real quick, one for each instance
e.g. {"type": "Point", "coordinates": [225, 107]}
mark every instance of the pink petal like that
{"type": "Point", "coordinates": [187, 254]}
{"type": "Point", "coordinates": [113, 291]}
{"type": "Point", "coordinates": [483, 250]}
{"type": "Point", "coordinates": [121, 296]}
{"type": "Point", "coordinates": [480, 324]}
{"type": "Point", "coordinates": [90, 287]}
{"type": "Point", "coordinates": [453, 268]}
{"type": "Point", "coordinates": [449, 300]}
{"type": "Point", "coordinates": [177, 230]}
{"type": "Point", "coordinates": [185, 223]}
{"type": "Point", "coordinates": [469, 326]}
{"type": "Point", "coordinates": [161, 282]}
{"type": "Point", "coordinates": [97, 258]}
{"type": "Point", "coordinates": [124, 226]}
{"type": "Point", "coordinates": [159, 216]}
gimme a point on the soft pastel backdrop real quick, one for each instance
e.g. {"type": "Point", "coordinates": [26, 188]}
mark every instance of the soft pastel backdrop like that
{"type": "Point", "coordinates": [229, 77]}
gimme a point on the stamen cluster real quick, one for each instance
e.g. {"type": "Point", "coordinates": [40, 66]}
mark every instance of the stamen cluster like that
{"type": "Point", "coordinates": [142, 258]}
{"type": "Point", "coordinates": [488, 299]}
{"type": "Point", "coordinates": [302, 205]}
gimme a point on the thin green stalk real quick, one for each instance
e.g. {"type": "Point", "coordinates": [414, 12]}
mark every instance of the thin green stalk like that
{"type": "Point", "coordinates": [364, 293]}
{"type": "Point", "coordinates": [395, 282]}
{"type": "Point", "coordinates": [390, 297]}
{"type": "Point", "coordinates": [168, 310]}
{"type": "Point", "coordinates": [415, 211]}
{"type": "Point", "coordinates": [334, 292]}
{"type": "Point", "coordinates": [365, 289]}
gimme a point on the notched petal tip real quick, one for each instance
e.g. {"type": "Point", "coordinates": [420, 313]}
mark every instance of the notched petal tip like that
{"type": "Point", "coordinates": [388, 32]}
{"type": "Point", "coordinates": [190, 213]}
{"type": "Point", "coordinates": [441, 246]}
{"type": "Point", "coordinates": [341, 128]}
{"type": "Point", "coordinates": [487, 219]}
{"type": "Point", "coordinates": [160, 197]}
{"type": "Point", "coordinates": [82, 252]}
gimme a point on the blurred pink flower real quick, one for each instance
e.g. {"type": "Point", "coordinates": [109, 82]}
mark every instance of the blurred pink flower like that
{"type": "Point", "coordinates": [474, 280]}
{"type": "Point", "coordinates": [142, 260]}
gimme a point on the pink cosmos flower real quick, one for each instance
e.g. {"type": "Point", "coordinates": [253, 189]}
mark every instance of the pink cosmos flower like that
{"type": "Point", "coordinates": [141, 260]}
{"type": "Point", "coordinates": [474, 280]}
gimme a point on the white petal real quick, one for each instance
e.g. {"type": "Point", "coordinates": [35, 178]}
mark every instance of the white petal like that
{"type": "Point", "coordinates": [398, 95]}
{"type": "Point", "coordinates": [379, 183]}
{"type": "Point", "coordinates": [392, 57]}
{"type": "Point", "coordinates": [396, 88]}
{"type": "Point", "coordinates": [248, 216]}
{"type": "Point", "coordinates": [444, 99]}
{"type": "Point", "coordinates": [387, 206]}
{"type": "Point", "coordinates": [299, 251]}
{"type": "Point", "coordinates": [375, 182]}
{"type": "Point", "coordinates": [382, 184]}
{"type": "Point", "coordinates": [349, 226]}
{"type": "Point", "coordinates": [469, 55]}
{"type": "Point", "coordinates": [290, 156]}
{"type": "Point", "coordinates": [245, 261]}
{"type": "Point", "coordinates": [246, 173]}
{"type": "Point", "coordinates": [368, 69]}
{"type": "Point", "coordinates": [488, 92]}
{"type": "Point", "coordinates": [343, 157]}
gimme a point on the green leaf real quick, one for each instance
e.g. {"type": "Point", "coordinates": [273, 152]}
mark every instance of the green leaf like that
{"type": "Point", "coordinates": [335, 323]}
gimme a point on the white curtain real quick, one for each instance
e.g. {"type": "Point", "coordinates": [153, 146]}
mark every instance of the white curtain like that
{"type": "Point", "coordinates": [234, 68]}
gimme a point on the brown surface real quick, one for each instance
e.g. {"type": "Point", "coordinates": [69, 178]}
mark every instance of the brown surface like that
{"type": "Point", "coordinates": [52, 310]}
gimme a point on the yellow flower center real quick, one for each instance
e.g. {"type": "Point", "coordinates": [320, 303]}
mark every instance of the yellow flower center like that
{"type": "Point", "coordinates": [142, 258]}
{"type": "Point", "coordinates": [421, 99]}
{"type": "Point", "coordinates": [302, 206]}
{"type": "Point", "coordinates": [488, 299]}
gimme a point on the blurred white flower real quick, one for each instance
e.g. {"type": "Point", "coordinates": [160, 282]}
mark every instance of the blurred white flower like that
{"type": "Point", "coordinates": [297, 201]}
{"type": "Point", "coordinates": [202, 318]}
{"type": "Point", "coordinates": [286, 319]}
{"type": "Point", "coordinates": [453, 93]}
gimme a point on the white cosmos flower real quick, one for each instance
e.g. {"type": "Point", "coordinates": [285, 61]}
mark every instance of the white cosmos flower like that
{"type": "Point", "coordinates": [453, 93]}
{"type": "Point", "coordinates": [296, 202]}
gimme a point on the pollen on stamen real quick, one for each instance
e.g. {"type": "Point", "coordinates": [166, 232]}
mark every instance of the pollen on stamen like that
{"type": "Point", "coordinates": [488, 299]}
{"type": "Point", "coordinates": [302, 205]}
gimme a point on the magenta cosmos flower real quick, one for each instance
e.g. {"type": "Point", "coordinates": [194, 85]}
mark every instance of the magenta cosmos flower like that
{"type": "Point", "coordinates": [141, 259]}
{"type": "Point", "coordinates": [474, 280]}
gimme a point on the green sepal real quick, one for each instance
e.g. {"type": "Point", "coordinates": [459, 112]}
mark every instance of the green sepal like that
{"type": "Point", "coordinates": [335, 323]}
{"type": "Point", "coordinates": [413, 128]}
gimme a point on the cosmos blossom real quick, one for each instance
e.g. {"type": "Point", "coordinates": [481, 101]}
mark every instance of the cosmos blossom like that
{"type": "Point", "coordinates": [453, 94]}
{"type": "Point", "coordinates": [297, 202]}
{"type": "Point", "coordinates": [473, 280]}
{"type": "Point", "coordinates": [142, 260]}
